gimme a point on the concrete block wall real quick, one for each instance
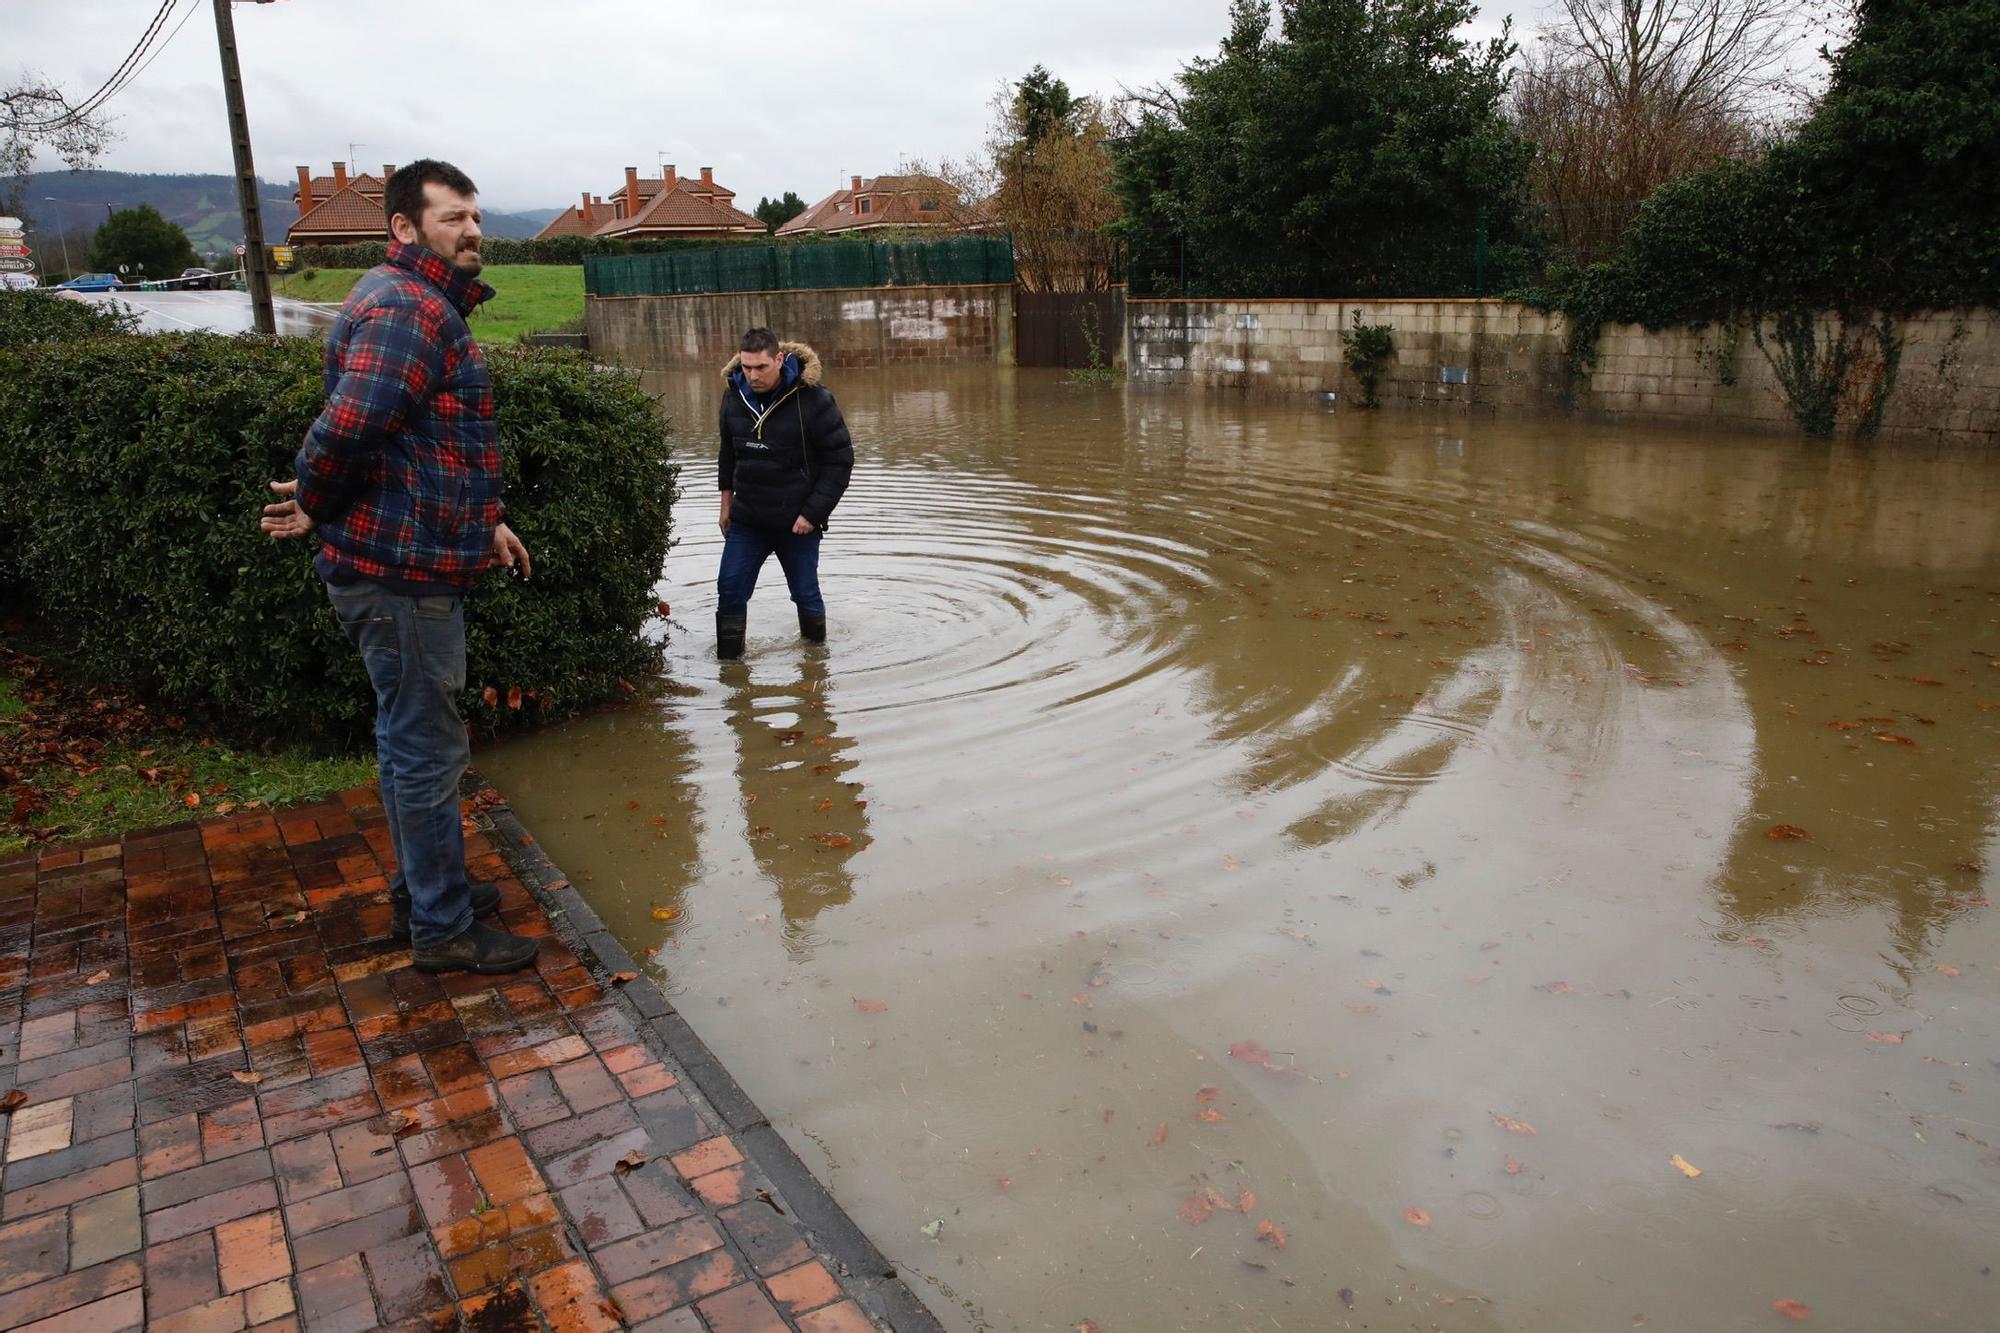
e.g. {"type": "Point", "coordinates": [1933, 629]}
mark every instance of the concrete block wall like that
{"type": "Point", "coordinates": [848, 327]}
{"type": "Point", "coordinates": [1948, 385]}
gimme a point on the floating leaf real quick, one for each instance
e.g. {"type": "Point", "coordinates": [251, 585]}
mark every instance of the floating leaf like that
{"type": "Point", "coordinates": [1512, 1126]}
{"type": "Point", "coordinates": [620, 978]}
{"type": "Point", "coordinates": [1195, 1210]}
{"type": "Point", "coordinates": [1245, 1201]}
{"type": "Point", "coordinates": [1346, 1295]}
{"type": "Point", "coordinates": [1513, 1167]}
{"type": "Point", "coordinates": [246, 1076]}
{"type": "Point", "coordinates": [1781, 832]}
{"type": "Point", "coordinates": [1888, 739]}
{"type": "Point", "coordinates": [839, 840]}
{"type": "Point", "coordinates": [1250, 1052]}
{"type": "Point", "coordinates": [1271, 1234]}
{"type": "Point", "coordinates": [1887, 1038]}
{"type": "Point", "coordinates": [631, 805]}
{"type": "Point", "coordinates": [1791, 1309]}
{"type": "Point", "coordinates": [1947, 969]}
{"type": "Point", "coordinates": [1160, 1134]}
{"type": "Point", "coordinates": [1362, 1007]}
{"type": "Point", "coordinates": [1002, 1183]}
{"type": "Point", "coordinates": [666, 913]}
{"type": "Point", "coordinates": [666, 610]}
{"type": "Point", "coordinates": [1087, 1326]}
{"type": "Point", "coordinates": [933, 1227]}
{"type": "Point", "coordinates": [1684, 1166]}
{"type": "Point", "coordinates": [1416, 1216]}
{"type": "Point", "coordinates": [1207, 1094]}
{"type": "Point", "coordinates": [1210, 1114]}
{"type": "Point", "coordinates": [871, 1006]}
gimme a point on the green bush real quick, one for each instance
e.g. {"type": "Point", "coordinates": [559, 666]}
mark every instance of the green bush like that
{"type": "Point", "coordinates": [1369, 347]}
{"type": "Point", "coordinates": [42, 316]}
{"type": "Point", "coordinates": [501, 250]}
{"type": "Point", "coordinates": [133, 471]}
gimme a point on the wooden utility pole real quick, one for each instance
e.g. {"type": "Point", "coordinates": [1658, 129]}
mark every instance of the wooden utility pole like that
{"type": "Point", "coordinates": [246, 174]}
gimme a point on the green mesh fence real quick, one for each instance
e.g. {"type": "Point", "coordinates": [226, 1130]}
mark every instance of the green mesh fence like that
{"type": "Point", "coordinates": [955, 261]}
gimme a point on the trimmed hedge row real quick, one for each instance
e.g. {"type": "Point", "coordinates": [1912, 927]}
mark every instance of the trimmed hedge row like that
{"type": "Point", "coordinates": [502, 250]}
{"type": "Point", "coordinates": [133, 471]}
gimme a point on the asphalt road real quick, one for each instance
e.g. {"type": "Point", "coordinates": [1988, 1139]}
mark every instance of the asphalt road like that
{"type": "Point", "coordinates": [212, 312]}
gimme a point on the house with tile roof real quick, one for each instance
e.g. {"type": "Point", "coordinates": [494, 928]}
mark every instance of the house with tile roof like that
{"type": "Point", "coordinates": [339, 209]}
{"type": "Point", "coordinates": [671, 206]}
{"type": "Point", "coordinates": [909, 201]}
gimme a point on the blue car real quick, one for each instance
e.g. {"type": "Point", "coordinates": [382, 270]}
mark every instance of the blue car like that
{"type": "Point", "coordinates": [92, 282]}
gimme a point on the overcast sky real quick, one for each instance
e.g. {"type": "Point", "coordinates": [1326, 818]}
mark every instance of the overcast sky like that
{"type": "Point", "coordinates": [539, 101]}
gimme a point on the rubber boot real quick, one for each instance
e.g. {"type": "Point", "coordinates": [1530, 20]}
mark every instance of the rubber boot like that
{"type": "Point", "coordinates": [729, 636]}
{"type": "Point", "coordinates": [812, 627]}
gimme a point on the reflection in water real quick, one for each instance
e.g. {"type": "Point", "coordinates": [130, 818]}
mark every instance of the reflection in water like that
{"type": "Point", "coordinates": [807, 817]}
{"type": "Point", "coordinates": [1357, 814]}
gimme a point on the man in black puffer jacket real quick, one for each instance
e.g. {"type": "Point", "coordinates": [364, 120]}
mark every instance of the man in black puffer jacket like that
{"type": "Point", "coordinates": [783, 465]}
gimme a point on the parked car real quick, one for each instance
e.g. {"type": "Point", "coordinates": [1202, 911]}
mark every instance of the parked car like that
{"type": "Point", "coordinates": [92, 282]}
{"type": "Point", "coordinates": [196, 280]}
{"type": "Point", "coordinates": [17, 282]}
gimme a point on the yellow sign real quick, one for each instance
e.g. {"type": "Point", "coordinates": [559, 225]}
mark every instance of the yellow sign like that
{"type": "Point", "coordinates": [281, 256]}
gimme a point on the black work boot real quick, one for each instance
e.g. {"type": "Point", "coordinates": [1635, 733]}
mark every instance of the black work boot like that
{"type": "Point", "coordinates": [479, 949]}
{"type": "Point", "coordinates": [729, 636]}
{"type": "Point", "coordinates": [485, 902]}
{"type": "Point", "coordinates": [812, 627]}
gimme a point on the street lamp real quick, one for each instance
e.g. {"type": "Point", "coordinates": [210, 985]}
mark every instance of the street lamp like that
{"type": "Point", "coordinates": [62, 230]}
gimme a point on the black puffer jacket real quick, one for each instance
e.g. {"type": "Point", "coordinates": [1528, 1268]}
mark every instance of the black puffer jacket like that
{"type": "Point", "coordinates": [787, 457]}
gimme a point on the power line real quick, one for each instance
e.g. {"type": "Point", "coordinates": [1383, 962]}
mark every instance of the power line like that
{"type": "Point", "coordinates": [104, 92]}
{"type": "Point", "coordinates": [193, 5]}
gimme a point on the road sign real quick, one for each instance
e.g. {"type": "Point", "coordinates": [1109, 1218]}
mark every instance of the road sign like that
{"type": "Point", "coordinates": [281, 255]}
{"type": "Point", "coordinates": [16, 265]}
{"type": "Point", "coordinates": [241, 250]}
{"type": "Point", "coordinates": [14, 249]}
{"type": "Point", "coordinates": [10, 224]}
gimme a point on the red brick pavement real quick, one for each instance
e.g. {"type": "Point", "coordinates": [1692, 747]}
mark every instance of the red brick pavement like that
{"type": "Point", "coordinates": [244, 1109]}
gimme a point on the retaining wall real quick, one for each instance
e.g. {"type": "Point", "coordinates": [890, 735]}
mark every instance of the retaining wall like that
{"type": "Point", "coordinates": [1489, 354]}
{"type": "Point", "coordinates": [848, 327]}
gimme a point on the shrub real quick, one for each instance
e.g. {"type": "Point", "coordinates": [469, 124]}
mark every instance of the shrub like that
{"type": "Point", "coordinates": [1369, 347]}
{"type": "Point", "coordinates": [42, 316]}
{"type": "Point", "coordinates": [132, 472]}
{"type": "Point", "coordinates": [502, 250]}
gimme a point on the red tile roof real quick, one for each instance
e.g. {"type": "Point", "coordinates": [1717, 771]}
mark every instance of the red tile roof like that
{"type": "Point", "coordinates": [347, 214]}
{"type": "Point", "coordinates": [323, 186]}
{"type": "Point", "coordinates": [681, 210]}
{"type": "Point", "coordinates": [893, 201]}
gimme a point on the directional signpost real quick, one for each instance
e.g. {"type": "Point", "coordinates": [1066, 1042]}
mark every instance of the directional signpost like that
{"type": "Point", "coordinates": [14, 251]}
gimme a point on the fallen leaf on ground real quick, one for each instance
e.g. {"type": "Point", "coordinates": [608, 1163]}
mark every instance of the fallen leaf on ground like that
{"type": "Point", "coordinates": [1510, 1125]}
{"type": "Point", "coordinates": [1160, 1134]}
{"type": "Point", "coordinates": [409, 1124]}
{"type": "Point", "coordinates": [1684, 1166]}
{"type": "Point", "coordinates": [871, 1006]}
{"type": "Point", "coordinates": [1210, 1114]}
{"type": "Point", "coordinates": [191, 800]}
{"type": "Point", "coordinates": [246, 1076]}
{"type": "Point", "coordinates": [13, 1101]}
{"type": "Point", "coordinates": [1416, 1216]}
{"type": "Point", "coordinates": [1888, 739]}
{"type": "Point", "coordinates": [1947, 969]}
{"type": "Point", "coordinates": [1780, 832]}
{"type": "Point", "coordinates": [631, 805]}
{"type": "Point", "coordinates": [1194, 1210]}
{"type": "Point", "coordinates": [1207, 1094]}
{"type": "Point", "coordinates": [629, 1163]}
{"type": "Point", "coordinates": [1791, 1309]}
{"type": "Point", "coordinates": [1087, 1326]}
{"type": "Point", "coordinates": [620, 978]}
{"type": "Point", "coordinates": [1003, 1183]}
{"type": "Point", "coordinates": [96, 978]}
{"type": "Point", "coordinates": [1250, 1052]}
{"type": "Point", "coordinates": [1888, 1038]}
{"type": "Point", "coordinates": [1271, 1234]}
{"type": "Point", "coordinates": [1245, 1201]}
{"type": "Point", "coordinates": [1513, 1166]}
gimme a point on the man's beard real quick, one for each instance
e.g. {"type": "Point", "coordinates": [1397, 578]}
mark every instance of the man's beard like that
{"type": "Point", "coordinates": [454, 258]}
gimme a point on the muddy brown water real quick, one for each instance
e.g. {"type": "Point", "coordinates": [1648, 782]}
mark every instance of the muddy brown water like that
{"type": "Point", "coordinates": [1379, 816]}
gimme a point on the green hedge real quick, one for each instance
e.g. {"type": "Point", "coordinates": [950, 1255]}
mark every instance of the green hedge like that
{"type": "Point", "coordinates": [500, 250]}
{"type": "Point", "coordinates": [42, 316]}
{"type": "Point", "coordinates": [133, 471]}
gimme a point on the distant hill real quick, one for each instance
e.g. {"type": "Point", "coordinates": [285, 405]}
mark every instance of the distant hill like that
{"type": "Point", "coordinates": [203, 206]}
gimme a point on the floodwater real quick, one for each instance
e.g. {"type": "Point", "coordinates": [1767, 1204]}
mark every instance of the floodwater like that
{"type": "Point", "coordinates": [1541, 870]}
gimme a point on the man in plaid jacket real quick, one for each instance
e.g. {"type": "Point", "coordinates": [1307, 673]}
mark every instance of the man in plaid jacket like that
{"type": "Point", "coordinates": [400, 476]}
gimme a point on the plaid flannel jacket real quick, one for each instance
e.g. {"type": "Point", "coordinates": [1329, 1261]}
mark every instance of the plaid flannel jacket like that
{"type": "Point", "coordinates": [401, 471]}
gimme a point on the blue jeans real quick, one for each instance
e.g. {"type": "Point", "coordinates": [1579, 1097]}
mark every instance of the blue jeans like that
{"type": "Point", "coordinates": [744, 550]}
{"type": "Point", "coordinates": [414, 648]}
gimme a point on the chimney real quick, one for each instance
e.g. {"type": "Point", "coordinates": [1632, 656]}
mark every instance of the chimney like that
{"type": "Point", "coordinates": [673, 177]}
{"type": "Point", "coordinates": [855, 188]}
{"type": "Point", "coordinates": [339, 176]}
{"type": "Point", "coordinates": [708, 179]}
{"type": "Point", "coordinates": [631, 191]}
{"type": "Point", "coordinates": [583, 209]}
{"type": "Point", "coordinates": [305, 190]}
{"type": "Point", "coordinates": [388, 170]}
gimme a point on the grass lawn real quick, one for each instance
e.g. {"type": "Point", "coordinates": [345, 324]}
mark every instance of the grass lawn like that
{"type": "Point", "coordinates": [533, 298]}
{"type": "Point", "coordinates": [116, 768]}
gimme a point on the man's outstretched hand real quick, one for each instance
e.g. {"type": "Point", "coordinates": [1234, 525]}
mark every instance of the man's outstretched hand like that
{"type": "Point", "coordinates": [285, 519]}
{"type": "Point", "coordinates": [507, 549]}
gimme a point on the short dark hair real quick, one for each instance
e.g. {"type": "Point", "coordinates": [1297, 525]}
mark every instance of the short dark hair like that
{"type": "Point", "coordinates": [759, 339]}
{"type": "Point", "coordinates": [404, 192]}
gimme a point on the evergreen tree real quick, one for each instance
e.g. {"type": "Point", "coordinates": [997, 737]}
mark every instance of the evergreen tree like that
{"type": "Point", "coordinates": [142, 240]}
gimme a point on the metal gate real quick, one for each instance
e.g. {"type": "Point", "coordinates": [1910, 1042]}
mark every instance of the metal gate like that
{"type": "Point", "coordinates": [1069, 330]}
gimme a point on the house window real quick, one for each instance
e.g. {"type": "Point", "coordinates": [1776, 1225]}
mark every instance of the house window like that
{"type": "Point", "coordinates": [927, 204]}
{"type": "Point", "coordinates": [864, 205]}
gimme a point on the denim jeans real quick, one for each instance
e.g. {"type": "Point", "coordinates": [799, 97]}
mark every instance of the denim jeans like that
{"type": "Point", "coordinates": [744, 550]}
{"type": "Point", "coordinates": [414, 648]}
